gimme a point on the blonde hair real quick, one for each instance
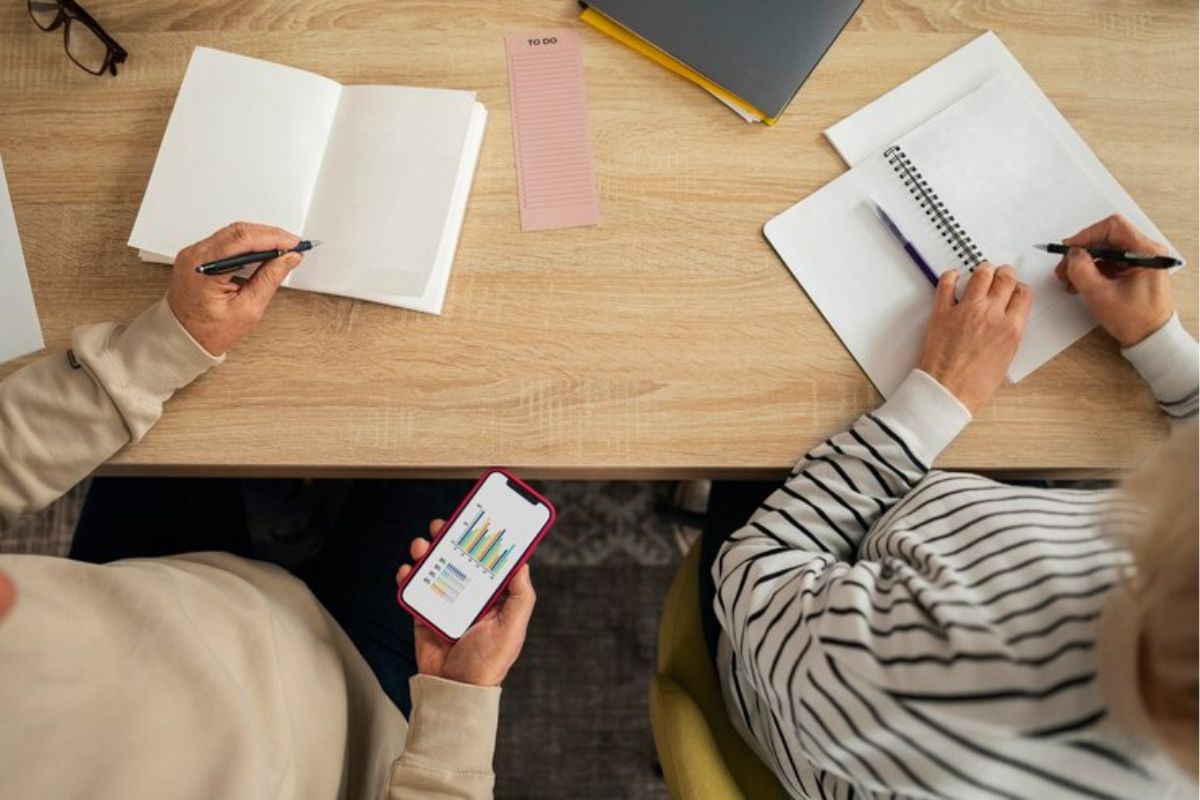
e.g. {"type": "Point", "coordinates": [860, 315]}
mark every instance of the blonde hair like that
{"type": "Point", "coordinates": [1165, 593]}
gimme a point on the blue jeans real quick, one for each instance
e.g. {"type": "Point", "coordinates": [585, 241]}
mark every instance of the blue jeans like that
{"type": "Point", "coordinates": [352, 575]}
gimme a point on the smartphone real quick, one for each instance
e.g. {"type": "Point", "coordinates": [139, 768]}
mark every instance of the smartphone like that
{"type": "Point", "coordinates": [493, 532]}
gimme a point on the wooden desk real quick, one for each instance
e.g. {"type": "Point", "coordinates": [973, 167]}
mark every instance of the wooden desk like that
{"type": "Point", "coordinates": [669, 341]}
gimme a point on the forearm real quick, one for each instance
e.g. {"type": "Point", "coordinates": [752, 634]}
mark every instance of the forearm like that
{"type": "Point", "coordinates": [1169, 361]}
{"type": "Point", "coordinates": [810, 530]}
{"type": "Point", "coordinates": [66, 414]}
{"type": "Point", "coordinates": [450, 744]}
{"type": "Point", "coordinates": [842, 486]}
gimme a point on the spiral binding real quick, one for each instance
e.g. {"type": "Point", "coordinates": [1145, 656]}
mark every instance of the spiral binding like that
{"type": "Point", "coordinates": [947, 226]}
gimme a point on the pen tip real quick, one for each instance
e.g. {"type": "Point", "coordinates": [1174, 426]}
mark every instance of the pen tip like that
{"type": "Point", "coordinates": [1041, 247]}
{"type": "Point", "coordinates": [315, 243]}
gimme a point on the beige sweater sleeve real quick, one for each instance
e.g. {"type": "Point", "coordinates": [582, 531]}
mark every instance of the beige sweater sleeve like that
{"type": "Point", "coordinates": [65, 415]}
{"type": "Point", "coordinates": [450, 744]}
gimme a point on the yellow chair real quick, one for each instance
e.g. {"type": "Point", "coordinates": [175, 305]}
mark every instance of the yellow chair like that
{"type": "Point", "coordinates": [702, 756]}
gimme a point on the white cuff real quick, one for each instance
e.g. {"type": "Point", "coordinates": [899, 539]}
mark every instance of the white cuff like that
{"type": "Point", "coordinates": [1168, 360]}
{"type": "Point", "coordinates": [925, 414]}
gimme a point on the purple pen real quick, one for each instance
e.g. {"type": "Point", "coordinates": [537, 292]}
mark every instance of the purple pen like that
{"type": "Point", "coordinates": [908, 246]}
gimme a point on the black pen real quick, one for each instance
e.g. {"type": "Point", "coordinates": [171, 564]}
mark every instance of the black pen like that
{"type": "Point", "coordinates": [1149, 260]}
{"type": "Point", "coordinates": [234, 263]}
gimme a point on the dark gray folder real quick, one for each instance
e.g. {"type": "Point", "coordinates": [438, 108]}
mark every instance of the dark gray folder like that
{"type": "Point", "coordinates": [760, 50]}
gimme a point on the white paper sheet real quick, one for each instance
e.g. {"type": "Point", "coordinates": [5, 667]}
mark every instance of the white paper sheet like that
{"type": "Point", "coordinates": [20, 332]}
{"type": "Point", "coordinates": [245, 142]}
{"type": "Point", "coordinates": [385, 190]}
{"type": "Point", "coordinates": [859, 278]}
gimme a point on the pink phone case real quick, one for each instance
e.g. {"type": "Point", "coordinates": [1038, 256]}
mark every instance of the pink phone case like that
{"type": "Point", "coordinates": [450, 522]}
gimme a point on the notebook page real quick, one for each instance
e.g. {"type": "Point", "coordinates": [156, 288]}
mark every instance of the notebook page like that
{"type": "Point", "coordinates": [244, 142]}
{"type": "Point", "coordinates": [21, 331]}
{"type": "Point", "coordinates": [1012, 184]}
{"type": "Point", "coordinates": [435, 291]}
{"type": "Point", "coordinates": [880, 123]}
{"type": "Point", "coordinates": [384, 193]}
{"type": "Point", "coordinates": [859, 278]}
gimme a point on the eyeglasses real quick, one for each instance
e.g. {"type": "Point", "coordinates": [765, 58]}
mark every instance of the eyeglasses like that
{"type": "Point", "coordinates": [87, 44]}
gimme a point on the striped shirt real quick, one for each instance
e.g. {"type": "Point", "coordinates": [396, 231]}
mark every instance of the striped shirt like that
{"type": "Point", "coordinates": [888, 630]}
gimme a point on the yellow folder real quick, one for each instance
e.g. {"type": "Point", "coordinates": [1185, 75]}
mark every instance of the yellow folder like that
{"type": "Point", "coordinates": [609, 27]}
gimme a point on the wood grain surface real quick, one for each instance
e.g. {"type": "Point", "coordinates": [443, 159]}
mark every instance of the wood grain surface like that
{"type": "Point", "coordinates": [668, 341]}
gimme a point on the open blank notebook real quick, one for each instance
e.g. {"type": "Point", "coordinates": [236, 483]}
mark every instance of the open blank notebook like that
{"type": "Point", "coordinates": [379, 174]}
{"type": "Point", "coordinates": [984, 179]}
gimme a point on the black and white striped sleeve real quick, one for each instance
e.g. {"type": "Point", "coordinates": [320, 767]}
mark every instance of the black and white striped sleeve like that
{"type": "Point", "coordinates": [778, 576]}
{"type": "Point", "coordinates": [1169, 361]}
{"type": "Point", "coordinates": [789, 578]}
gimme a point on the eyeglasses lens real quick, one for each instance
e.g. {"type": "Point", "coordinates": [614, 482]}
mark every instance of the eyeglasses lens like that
{"type": "Point", "coordinates": [86, 48]}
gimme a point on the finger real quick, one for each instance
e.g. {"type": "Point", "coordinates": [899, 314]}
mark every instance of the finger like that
{"type": "Point", "coordinates": [1082, 270]}
{"type": "Point", "coordinates": [402, 573]}
{"type": "Point", "coordinates": [245, 237]}
{"type": "Point", "coordinates": [1003, 285]}
{"type": "Point", "coordinates": [435, 527]}
{"type": "Point", "coordinates": [944, 298]}
{"type": "Point", "coordinates": [418, 548]}
{"type": "Point", "coordinates": [266, 280]}
{"type": "Point", "coordinates": [981, 281]}
{"type": "Point", "coordinates": [1020, 303]}
{"type": "Point", "coordinates": [1060, 272]}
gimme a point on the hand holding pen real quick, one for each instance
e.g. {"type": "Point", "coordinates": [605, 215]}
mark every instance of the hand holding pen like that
{"type": "Point", "coordinates": [218, 311]}
{"type": "Point", "coordinates": [224, 266]}
{"type": "Point", "coordinates": [1130, 302]}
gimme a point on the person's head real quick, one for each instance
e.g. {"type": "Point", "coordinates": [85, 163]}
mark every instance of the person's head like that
{"type": "Point", "coordinates": [1164, 594]}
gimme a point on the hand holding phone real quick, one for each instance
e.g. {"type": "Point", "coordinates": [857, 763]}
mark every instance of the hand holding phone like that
{"type": "Point", "coordinates": [486, 652]}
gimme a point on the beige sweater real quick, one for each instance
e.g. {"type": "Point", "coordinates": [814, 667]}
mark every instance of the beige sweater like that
{"type": "Point", "coordinates": [205, 676]}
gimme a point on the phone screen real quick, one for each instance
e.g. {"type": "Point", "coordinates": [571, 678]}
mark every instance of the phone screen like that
{"type": "Point", "coordinates": [475, 554]}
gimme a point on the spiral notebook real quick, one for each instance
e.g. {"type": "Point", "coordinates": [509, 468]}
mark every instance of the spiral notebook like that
{"type": "Point", "coordinates": [984, 179]}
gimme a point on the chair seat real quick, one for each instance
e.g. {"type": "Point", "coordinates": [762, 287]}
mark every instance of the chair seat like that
{"type": "Point", "coordinates": [701, 753]}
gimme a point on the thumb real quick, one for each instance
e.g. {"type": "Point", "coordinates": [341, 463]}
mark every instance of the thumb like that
{"type": "Point", "coordinates": [944, 298]}
{"type": "Point", "coordinates": [1082, 270]}
{"type": "Point", "coordinates": [266, 279]}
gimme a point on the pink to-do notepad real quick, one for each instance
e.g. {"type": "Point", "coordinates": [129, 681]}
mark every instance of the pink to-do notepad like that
{"type": "Point", "coordinates": [556, 178]}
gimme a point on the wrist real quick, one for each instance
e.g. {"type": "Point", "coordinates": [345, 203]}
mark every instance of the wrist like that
{"type": "Point", "coordinates": [959, 387]}
{"type": "Point", "coordinates": [1128, 336]}
{"type": "Point", "coordinates": [201, 334]}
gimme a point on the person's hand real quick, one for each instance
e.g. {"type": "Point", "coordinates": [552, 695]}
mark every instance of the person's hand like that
{"type": "Point", "coordinates": [971, 343]}
{"type": "Point", "coordinates": [484, 655]}
{"type": "Point", "coordinates": [1129, 302]}
{"type": "Point", "coordinates": [218, 310]}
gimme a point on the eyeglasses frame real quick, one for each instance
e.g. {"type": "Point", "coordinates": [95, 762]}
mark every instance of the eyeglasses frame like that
{"type": "Point", "coordinates": [69, 11]}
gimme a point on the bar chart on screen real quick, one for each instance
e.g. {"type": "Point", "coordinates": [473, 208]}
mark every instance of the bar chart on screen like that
{"type": "Point", "coordinates": [446, 580]}
{"type": "Point", "coordinates": [484, 546]}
